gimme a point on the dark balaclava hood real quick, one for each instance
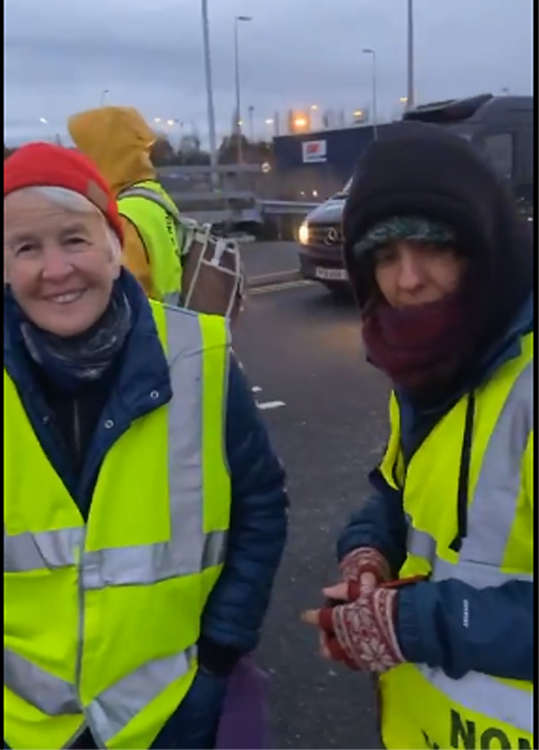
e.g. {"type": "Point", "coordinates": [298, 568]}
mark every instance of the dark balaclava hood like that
{"type": "Point", "coordinates": [422, 170]}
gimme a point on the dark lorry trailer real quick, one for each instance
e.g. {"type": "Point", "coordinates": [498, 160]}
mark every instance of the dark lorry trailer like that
{"type": "Point", "coordinates": [500, 127]}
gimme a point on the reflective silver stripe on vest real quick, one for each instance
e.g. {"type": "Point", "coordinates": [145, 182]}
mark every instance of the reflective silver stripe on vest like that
{"type": "Point", "coordinates": [172, 298]}
{"type": "Point", "coordinates": [43, 690]}
{"type": "Point", "coordinates": [114, 708]}
{"type": "Point", "coordinates": [476, 574]}
{"type": "Point", "coordinates": [44, 550]}
{"type": "Point", "coordinates": [485, 695]}
{"type": "Point", "coordinates": [492, 511]}
{"type": "Point", "coordinates": [185, 442]}
{"type": "Point", "coordinates": [150, 563]}
{"type": "Point", "coordinates": [419, 543]}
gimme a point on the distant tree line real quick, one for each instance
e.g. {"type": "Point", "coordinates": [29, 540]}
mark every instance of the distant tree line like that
{"type": "Point", "coordinates": [163, 154]}
{"type": "Point", "coordinates": [189, 153]}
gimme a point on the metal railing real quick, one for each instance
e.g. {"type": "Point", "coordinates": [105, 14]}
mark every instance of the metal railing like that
{"type": "Point", "coordinates": [234, 202]}
{"type": "Point", "coordinates": [293, 208]}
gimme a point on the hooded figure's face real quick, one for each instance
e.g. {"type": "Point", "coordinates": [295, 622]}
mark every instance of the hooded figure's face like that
{"type": "Point", "coordinates": [416, 273]}
{"type": "Point", "coordinates": [422, 171]}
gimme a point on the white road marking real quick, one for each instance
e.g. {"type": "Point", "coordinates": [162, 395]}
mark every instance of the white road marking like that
{"type": "Point", "coordinates": [278, 287]}
{"type": "Point", "coordinates": [256, 389]}
{"type": "Point", "coordinates": [270, 404]}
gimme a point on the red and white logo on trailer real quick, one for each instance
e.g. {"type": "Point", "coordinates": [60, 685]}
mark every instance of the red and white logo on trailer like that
{"type": "Point", "coordinates": [314, 151]}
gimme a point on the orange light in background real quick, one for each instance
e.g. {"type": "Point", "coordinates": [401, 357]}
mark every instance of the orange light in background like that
{"type": "Point", "coordinates": [300, 122]}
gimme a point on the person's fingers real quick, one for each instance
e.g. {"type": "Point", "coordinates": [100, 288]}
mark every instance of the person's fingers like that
{"type": "Point", "coordinates": [320, 617]}
{"type": "Point", "coordinates": [337, 591]}
{"type": "Point", "coordinates": [367, 582]}
{"type": "Point", "coordinates": [354, 590]}
{"type": "Point", "coordinates": [311, 616]}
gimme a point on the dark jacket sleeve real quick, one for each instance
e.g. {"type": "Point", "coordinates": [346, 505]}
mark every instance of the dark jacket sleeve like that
{"type": "Point", "coordinates": [452, 625]}
{"type": "Point", "coordinates": [380, 524]}
{"type": "Point", "coordinates": [235, 609]}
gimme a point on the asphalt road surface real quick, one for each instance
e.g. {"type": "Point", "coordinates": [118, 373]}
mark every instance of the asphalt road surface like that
{"type": "Point", "coordinates": [326, 410]}
{"type": "Point", "coordinates": [263, 258]}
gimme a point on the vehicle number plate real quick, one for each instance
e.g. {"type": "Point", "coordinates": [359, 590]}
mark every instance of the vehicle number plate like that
{"type": "Point", "coordinates": [331, 274]}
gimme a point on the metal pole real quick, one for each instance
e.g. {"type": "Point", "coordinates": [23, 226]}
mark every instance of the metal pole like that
{"type": "Point", "coordinates": [103, 95]}
{"type": "Point", "coordinates": [251, 124]}
{"type": "Point", "coordinates": [410, 103]}
{"type": "Point", "coordinates": [369, 51]}
{"type": "Point", "coordinates": [211, 114]}
{"type": "Point", "coordinates": [374, 115]}
{"type": "Point", "coordinates": [238, 116]}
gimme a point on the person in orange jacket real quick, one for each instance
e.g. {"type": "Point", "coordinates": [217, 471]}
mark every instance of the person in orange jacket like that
{"type": "Point", "coordinates": [119, 141]}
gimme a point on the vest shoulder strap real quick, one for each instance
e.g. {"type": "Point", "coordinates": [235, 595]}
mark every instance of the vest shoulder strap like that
{"type": "Point", "coordinates": [142, 192]}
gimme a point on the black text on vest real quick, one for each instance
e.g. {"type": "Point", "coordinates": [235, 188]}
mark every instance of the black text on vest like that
{"type": "Point", "coordinates": [463, 734]}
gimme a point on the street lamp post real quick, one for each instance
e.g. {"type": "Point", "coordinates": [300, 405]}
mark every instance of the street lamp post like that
{"type": "Point", "coordinates": [209, 93]}
{"type": "Point", "coordinates": [251, 123]}
{"type": "Point", "coordinates": [410, 98]}
{"type": "Point", "coordinates": [237, 19]}
{"type": "Point", "coordinates": [374, 117]}
{"type": "Point", "coordinates": [103, 96]}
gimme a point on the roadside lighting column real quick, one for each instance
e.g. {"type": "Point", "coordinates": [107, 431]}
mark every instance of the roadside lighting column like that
{"type": "Point", "coordinates": [104, 96]}
{"type": "Point", "coordinates": [209, 94]}
{"type": "Point", "coordinates": [237, 20]}
{"type": "Point", "coordinates": [251, 123]}
{"type": "Point", "coordinates": [374, 117]}
{"type": "Point", "coordinates": [410, 102]}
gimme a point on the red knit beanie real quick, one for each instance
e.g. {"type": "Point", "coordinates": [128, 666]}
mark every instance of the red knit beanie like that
{"type": "Point", "coordinates": [46, 164]}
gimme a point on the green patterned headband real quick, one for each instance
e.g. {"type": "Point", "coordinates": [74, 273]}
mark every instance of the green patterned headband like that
{"type": "Point", "coordinates": [404, 228]}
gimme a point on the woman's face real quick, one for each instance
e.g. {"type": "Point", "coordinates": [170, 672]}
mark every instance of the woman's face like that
{"type": "Point", "coordinates": [59, 263]}
{"type": "Point", "coordinates": [415, 273]}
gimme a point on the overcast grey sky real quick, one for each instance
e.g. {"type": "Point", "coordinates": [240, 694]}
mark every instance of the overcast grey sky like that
{"type": "Point", "coordinates": [61, 54]}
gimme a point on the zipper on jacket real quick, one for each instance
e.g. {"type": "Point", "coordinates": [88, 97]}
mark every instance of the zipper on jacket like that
{"type": "Point", "coordinates": [464, 473]}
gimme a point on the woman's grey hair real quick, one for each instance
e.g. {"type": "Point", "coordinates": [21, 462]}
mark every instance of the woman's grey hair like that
{"type": "Point", "coordinates": [73, 201]}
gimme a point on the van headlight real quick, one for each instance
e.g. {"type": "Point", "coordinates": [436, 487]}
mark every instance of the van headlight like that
{"type": "Point", "coordinates": [304, 233]}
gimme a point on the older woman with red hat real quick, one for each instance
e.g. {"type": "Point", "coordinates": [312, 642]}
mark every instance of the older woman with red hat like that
{"type": "Point", "coordinates": [145, 511]}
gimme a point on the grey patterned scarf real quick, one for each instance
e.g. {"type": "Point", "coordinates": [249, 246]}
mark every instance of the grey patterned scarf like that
{"type": "Point", "coordinates": [71, 362]}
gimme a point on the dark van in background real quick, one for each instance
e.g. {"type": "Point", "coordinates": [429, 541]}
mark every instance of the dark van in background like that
{"type": "Point", "coordinates": [500, 127]}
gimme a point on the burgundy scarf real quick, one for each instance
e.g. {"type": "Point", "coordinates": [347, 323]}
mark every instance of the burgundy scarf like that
{"type": "Point", "coordinates": [420, 347]}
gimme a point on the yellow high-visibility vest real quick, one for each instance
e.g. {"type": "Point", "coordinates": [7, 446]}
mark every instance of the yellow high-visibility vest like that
{"type": "Point", "coordinates": [102, 618]}
{"type": "Point", "coordinates": [149, 207]}
{"type": "Point", "coordinates": [422, 706]}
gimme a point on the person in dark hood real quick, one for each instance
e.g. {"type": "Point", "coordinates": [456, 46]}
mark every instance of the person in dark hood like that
{"type": "Point", "coordinates": [437, 565]}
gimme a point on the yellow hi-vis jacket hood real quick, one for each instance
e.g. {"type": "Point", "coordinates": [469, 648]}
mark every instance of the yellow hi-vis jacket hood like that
{"type": "Point", "coordinates": [118, 140]}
